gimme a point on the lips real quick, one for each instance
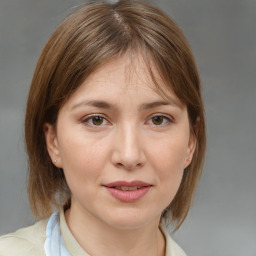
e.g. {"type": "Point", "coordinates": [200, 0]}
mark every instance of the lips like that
{"type": "Point", "coordinates": [128, 191]}
{"type": "Point", "coordinates": [124, 188]}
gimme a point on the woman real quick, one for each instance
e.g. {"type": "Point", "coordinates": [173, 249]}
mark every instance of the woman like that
{"type": "Point", "coordinates": [115, 135]}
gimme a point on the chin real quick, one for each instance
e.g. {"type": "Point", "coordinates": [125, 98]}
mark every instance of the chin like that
{"type": "Point", "coordinates": [127, 219]}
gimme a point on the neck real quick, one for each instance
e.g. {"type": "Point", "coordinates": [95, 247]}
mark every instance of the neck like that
{"type": "Point", "coordinates": [98, 239]}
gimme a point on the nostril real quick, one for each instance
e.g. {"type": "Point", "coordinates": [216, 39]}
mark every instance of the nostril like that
{"type": "Point", "coordinates": [129, 166]}
{"type": "Point", "coordinates": [119, 164]}
{"type": "Point", "coordinates": [128, 154]}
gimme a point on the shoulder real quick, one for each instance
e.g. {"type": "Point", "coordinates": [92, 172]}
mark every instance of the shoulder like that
{"type": "Point", "coordinates": [172, 248]}
{"type": "Point", "coordinates": [27, 241]}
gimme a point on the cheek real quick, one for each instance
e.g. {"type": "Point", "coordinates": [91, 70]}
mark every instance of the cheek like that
{"type": "Point", "coordinates": [170, 172]}
{"type": "Point", "coordinates": [170, 155]}
{"type": "Point", "coordinates": [82, 159]}
{"type": "Point", "coordinates": [168, 160]}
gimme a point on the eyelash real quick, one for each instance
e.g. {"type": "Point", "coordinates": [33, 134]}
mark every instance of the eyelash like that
{"type": "Point", "coordinates": [167, 119]}
{"type": "Point", "coordinates": [89, 120]}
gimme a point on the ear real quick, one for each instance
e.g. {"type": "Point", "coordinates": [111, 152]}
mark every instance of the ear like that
{"type": "Point", "coordinates": [192, 144]}
{"type": "Point", "coordinates": [52, 144]}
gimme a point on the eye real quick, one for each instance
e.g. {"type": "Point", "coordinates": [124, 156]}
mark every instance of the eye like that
{"type": "Point", "coordinates": [160, 120]}
{"type": "Point", "coordinates": [95, 120]}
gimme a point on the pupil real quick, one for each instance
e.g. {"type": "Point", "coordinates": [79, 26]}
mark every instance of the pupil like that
{"type": "Point", "coordinates": [97, 120]}
{"type": "Point", "coordinates": [158, 120]}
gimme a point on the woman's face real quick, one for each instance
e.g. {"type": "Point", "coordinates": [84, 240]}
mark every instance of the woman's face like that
{"type": "Point", "coordinates": [123, 148]}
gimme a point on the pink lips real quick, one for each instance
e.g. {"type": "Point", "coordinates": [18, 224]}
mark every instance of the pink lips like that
{"type": "Point", "coordinates": [127, 191]}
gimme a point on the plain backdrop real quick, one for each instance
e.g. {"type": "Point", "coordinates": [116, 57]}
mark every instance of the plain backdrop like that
{"type": "Point", "coordinates": [222, 34]}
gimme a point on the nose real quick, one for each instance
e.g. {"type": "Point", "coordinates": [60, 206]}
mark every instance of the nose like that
{"type": "Point", "coordinates": [128, 150]}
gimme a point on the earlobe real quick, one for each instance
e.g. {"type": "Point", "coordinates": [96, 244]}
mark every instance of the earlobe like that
{"type": "Point", "coordinates": [52, 144]}
{"type": "Point", "coordinates": [192, 143]}
{"type": "Point", "coordinates": [190, 150]}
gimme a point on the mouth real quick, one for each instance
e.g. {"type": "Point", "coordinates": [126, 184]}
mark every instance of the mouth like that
{"type": "Point", "coordinates": [124, 188]}
{"type": "Point", "coordinates": [128, 186]}
{"type": "Point", "coordinates": [128, 191]}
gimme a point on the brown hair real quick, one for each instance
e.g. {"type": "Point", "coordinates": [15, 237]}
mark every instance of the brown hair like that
{"type": "Point", "coordinates": [92, 35]}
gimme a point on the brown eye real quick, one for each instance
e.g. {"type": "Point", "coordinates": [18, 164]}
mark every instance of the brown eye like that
{"type": "Point", "coordinates": [158, 120]}
{"type": "Point", "coordinates": [97, 120]}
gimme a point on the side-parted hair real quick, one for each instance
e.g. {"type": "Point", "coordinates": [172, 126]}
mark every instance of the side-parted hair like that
{"type": "Point", "coordinates": [94, 34]}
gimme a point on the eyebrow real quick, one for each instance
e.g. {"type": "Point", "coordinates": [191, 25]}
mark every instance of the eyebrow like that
{"type": "Point", "coordinates": [94, 103]}
{"type": "Point", "coordinates": [106, 105]}
{"type": "Point", "coordinates": [155, 104]}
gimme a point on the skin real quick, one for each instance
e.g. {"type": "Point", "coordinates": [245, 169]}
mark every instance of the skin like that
{"type": "Point", "coordinates": [129, 139]}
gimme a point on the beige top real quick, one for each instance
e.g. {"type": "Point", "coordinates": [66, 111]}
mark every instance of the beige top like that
{"type": "Point", "coordinates": [30, 241]}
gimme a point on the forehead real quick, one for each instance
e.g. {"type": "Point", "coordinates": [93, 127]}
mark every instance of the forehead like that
{"type": "Point", "coordinates": [127, 75]}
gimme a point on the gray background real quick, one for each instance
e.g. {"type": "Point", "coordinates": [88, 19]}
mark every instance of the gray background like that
{"type": "Point", "coordinates": [222, 34]}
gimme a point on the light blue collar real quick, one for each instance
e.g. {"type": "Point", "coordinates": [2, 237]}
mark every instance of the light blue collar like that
{"type": "Point", "coordinates": [54, 244]}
